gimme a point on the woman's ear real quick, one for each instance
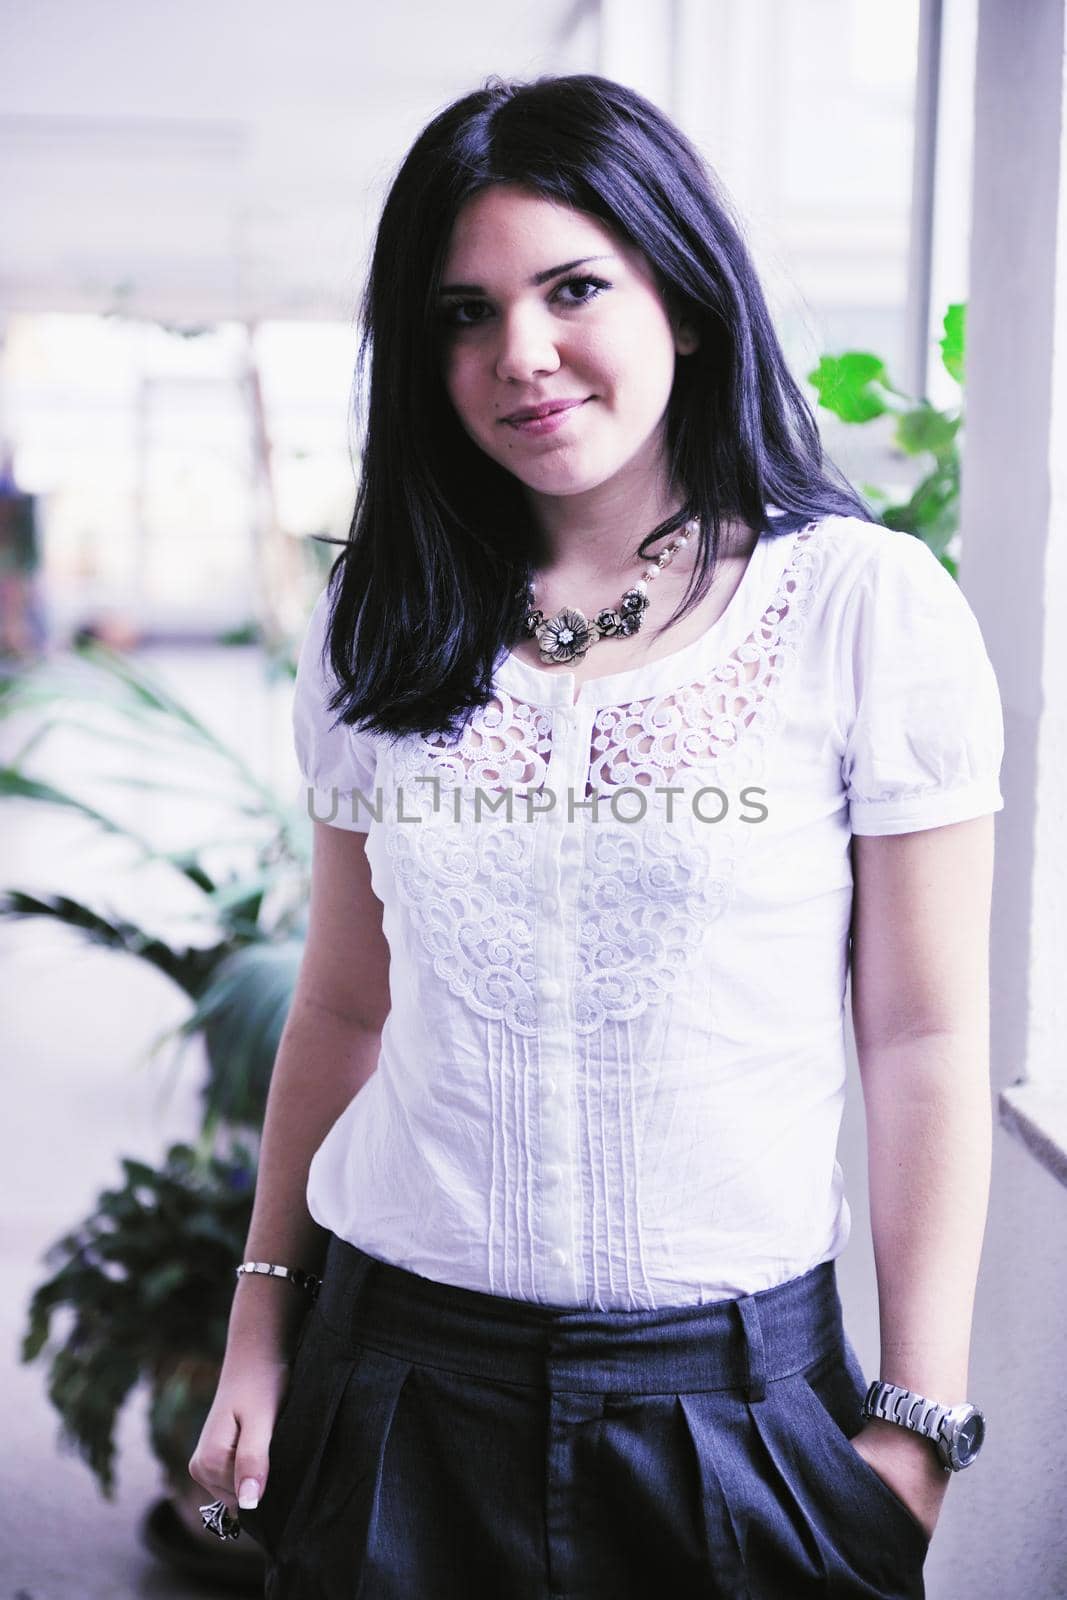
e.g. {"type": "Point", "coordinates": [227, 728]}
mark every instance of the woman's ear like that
{"type": "Point", "coordinates": [686, 338]}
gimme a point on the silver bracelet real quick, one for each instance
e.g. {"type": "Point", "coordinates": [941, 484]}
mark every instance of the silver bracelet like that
{"type": "Point", "coordinates": [297, 1275]}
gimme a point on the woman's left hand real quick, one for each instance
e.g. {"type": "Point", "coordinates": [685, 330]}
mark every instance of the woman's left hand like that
{"type": "Point", "coordinates": [909, 1464]}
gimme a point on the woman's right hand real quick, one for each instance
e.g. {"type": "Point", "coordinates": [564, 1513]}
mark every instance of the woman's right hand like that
{"type": "Point", "coordinates": [230, 1461]}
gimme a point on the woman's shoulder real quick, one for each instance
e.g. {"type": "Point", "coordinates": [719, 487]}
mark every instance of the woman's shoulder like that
{"type": "Point", "coordinates": [863, 560]}
{"type": "Point", "coordinates": [860, 546]}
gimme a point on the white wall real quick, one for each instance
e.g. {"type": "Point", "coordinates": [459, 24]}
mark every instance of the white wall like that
{"type": "Point", "coordinates": [1006, 1525]}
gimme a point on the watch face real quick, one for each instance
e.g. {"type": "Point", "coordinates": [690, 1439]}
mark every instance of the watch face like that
{"type": "Point", "coordinates": [969, 1438]}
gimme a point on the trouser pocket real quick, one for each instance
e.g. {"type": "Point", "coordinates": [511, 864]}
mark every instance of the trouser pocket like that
{"type": "Point", "coordinates": [856, 1531]}
{"type": "Point", "coordinates": [293, 1437]}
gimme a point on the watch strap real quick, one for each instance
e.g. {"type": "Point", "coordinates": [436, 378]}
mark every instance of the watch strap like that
{"type": "Point", "coordinates": [894, 1404]}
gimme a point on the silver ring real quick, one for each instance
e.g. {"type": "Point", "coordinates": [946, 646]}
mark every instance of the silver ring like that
{"type": "Point", "coordinates": [220, 1521]}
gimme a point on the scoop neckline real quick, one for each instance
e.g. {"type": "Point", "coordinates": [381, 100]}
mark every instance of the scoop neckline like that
{"type": "Point", "coordinates": [547, 686]}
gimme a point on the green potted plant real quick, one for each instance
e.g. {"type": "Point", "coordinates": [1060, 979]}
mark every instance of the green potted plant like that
{"type": "Point", "coordinates": [856, 388]}
{"type": "Point", "coordinates": [145, 1281]}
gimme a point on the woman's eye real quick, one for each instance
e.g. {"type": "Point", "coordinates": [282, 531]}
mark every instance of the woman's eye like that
{"type": "Point", "coordinates": [454, 313]}
{"type": "Point", "coordinates": [597, 284]}
{"type": "Point", "coordinates": [450, 312]}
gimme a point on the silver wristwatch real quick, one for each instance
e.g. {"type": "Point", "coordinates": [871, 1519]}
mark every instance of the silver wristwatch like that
{"type": "Point", "coordinates": [957, 1431]}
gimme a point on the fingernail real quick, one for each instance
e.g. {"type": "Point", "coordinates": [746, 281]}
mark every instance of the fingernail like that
{"type": "Point", "coordinates": [248, 1494]}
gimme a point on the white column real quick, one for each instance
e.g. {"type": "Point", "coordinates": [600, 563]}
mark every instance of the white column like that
{"type": "Point", "coordinates": [1014, 522]}
{"type": "Point", "coordinates": [636, 46]}
{"type": "Point", "coordinates": [729, 95]}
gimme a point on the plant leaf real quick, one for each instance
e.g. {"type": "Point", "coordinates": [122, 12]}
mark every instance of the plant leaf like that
{"type": "Point", "coordinates": [189, 969]}
{"type": "Point", "coordinates": [15, 785]}
{"type": "Point", "coordinates": [242, 1013]}
{"type": "Point", "coordinates": [926, 428]}
{"type": "Point", "coordinates": [954, 342]}
{"type": "Point", "coordinates": [849, 385]}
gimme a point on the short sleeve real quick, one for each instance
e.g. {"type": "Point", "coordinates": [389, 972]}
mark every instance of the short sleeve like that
{"type": "Point", "coordinates": [925, 735]}
{"type": "Point", "coordinates": [337, 764]}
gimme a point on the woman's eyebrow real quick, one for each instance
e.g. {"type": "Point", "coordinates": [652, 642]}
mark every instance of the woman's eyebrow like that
{"type": "Point", "coordinates": [535, 282]}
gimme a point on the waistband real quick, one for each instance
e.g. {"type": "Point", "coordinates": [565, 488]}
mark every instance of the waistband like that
{"type": "Point", "coordinates": [727, 1344]}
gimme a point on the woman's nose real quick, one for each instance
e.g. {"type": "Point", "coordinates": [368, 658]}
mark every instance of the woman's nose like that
{"type": "Point", "coordinates": [525, 345]}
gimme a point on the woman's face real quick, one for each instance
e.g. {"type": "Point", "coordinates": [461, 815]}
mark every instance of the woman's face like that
{"type": "Point", "coordinates": [543, 303]}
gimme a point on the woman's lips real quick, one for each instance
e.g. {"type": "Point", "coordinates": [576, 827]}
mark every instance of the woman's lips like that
{"type": "Point", "coordinates": [550, 424]}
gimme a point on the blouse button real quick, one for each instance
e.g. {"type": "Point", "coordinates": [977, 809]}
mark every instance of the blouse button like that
{"type": "Point", "coordinates": [549, 904]}
{"type": "Point", "coordinates": [548, 1088]}
{"type": "Point", "coordinates": [553, 1174]}
{"type": "Point", "coordinates": [551, 989]}
{"type": "Point", "coordinates": [558, 1258]}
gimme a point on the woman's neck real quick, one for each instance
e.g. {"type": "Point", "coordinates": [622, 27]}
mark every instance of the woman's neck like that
{"type": "Point", "coordinates": [585, 559]}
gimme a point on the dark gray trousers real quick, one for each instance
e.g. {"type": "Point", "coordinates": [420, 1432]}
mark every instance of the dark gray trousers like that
{"type": "Point", "coordinates": [436, 1443]}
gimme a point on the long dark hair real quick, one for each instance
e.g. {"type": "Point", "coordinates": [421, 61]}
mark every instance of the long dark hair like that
{"type": "Point", "coordinates": [430, 584]}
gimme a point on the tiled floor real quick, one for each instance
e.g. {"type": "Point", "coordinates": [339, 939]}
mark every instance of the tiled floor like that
{"type": "Point", "coordinates": [74, 1023]}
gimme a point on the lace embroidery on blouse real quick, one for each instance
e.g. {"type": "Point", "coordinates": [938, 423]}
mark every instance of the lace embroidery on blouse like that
{"type": "Point", "coordinates": [648, 890]}
{"type": "Point", "coordinates": [469, 883]}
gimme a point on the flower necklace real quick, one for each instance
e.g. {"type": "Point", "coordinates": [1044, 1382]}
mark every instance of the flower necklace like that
{"type": "Point", "coordinates": [568, 634]}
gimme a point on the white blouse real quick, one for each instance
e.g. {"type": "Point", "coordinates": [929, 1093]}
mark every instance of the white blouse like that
{"type": "Point", "coordinates": [613, 1070]}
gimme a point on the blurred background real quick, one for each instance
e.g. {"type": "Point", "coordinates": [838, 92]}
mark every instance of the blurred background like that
{"type": "Point", "coordinates": [191, 199]}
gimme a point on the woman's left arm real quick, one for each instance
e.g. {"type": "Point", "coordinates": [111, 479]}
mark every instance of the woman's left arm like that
{"type": "Point", "coordinates": [920, 1007]}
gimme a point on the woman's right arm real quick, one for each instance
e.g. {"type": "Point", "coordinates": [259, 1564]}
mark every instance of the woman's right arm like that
{"type": "Point", "coordinates": [328, 1050]}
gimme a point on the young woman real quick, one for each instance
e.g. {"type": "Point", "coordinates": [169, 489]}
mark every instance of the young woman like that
{"type": "Point", "coordinates": [556, 1109]}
